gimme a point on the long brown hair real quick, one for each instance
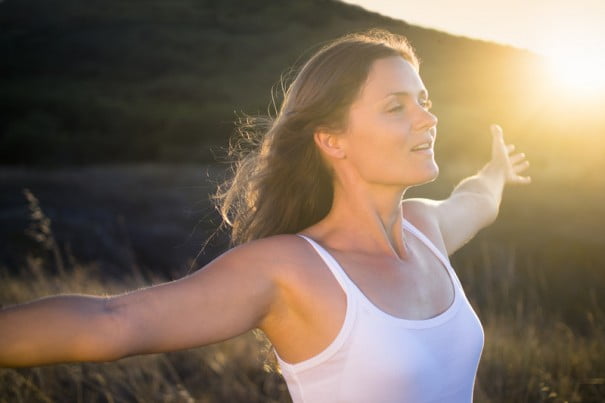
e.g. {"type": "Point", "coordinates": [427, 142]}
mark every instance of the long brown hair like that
{"type": "Point", "coordinates": [280, 184]}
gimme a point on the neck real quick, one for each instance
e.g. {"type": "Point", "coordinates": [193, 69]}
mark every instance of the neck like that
{"type": "Point", "coordinates": [366, 218]}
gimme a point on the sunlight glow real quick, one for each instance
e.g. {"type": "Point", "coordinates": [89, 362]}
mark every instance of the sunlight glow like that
{"type": "Point", "coordinates": [570, 33]}
{"type": "Point", "coordinates": [578, 68]}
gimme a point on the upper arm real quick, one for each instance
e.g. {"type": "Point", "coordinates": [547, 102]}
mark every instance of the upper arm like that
{"type": "Point", "coordinates": [457, 218]}
{"type": "Point", "coordinates": [227, 297]}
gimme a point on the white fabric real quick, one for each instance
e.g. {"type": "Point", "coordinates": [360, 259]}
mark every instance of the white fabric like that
{"type": "Point", "coordinates": [379, 358]}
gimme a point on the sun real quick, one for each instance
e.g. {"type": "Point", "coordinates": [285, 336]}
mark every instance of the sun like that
{"type": "Point", "coordinates": [579, 69]}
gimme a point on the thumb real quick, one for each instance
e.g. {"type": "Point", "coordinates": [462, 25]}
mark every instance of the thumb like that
{"type": "Point", "coordinates": [496, 130]}
{"type": "Point", "coordinates": [497, 139]}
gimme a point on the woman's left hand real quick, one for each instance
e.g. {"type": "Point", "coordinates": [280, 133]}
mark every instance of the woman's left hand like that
{"type": "Point", "coordinates": [511, 165]}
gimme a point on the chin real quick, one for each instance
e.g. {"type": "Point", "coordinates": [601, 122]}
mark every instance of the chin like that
{"type": "Point", "coordinates": [435, 172]}
{"type": "Point", "coordinates": [430, 175]}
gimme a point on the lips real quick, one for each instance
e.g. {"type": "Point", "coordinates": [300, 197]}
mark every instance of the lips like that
{"type": "Point", "coordinates": [427, 145]}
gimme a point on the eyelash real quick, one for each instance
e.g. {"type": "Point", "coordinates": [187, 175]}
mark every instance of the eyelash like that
{"type": "Point", "coordinates": [426, 104]}
{"type": "Point", "coordinates": [395, 109]}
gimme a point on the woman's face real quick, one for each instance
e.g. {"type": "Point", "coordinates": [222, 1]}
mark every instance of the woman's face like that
{"type": "Point", "coordinates": [390, 133]}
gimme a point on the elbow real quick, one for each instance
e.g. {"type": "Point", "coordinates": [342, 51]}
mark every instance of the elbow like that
{"type": "Point", "coordinates": [104, 343]}
{"type": "Point", "coordinates": [490, 208]}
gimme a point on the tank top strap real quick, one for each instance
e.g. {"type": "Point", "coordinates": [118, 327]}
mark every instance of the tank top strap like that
{"type": "Point", "coordinates": [425, 240]}
{"type": "Point", "coordinates": [332, 264]}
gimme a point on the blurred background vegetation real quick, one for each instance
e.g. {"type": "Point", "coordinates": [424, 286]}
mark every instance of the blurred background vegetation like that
{"type": "Point", "coordinates": [108, 81]}
{"type": "Point", "coordinates": [115, 116]}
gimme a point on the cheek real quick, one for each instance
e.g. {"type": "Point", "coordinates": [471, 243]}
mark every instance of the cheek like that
{"type": "Point", "coordinates": [367, 141]}
{"type": "Point", "coordinates": [379, 129]}
{"type": "Point", "coordinates": [380, 150]}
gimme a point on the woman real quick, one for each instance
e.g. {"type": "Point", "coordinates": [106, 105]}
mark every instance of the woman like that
{"type": "Point", "coordinates": [350, 282]}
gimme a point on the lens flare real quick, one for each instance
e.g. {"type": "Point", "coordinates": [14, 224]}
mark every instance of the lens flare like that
{"type": "Point", "coordinates": [579, 69]}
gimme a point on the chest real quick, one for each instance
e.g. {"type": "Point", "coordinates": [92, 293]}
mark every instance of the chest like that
{"type": "Point", "coordinates": [315, 303]}
{"type": "Point", "coordinates": [434, 361]}
{"type": "Point", "coordinates": [418, 287]}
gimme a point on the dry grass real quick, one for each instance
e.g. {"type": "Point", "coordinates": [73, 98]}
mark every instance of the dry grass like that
{"type": "Point", "coordinates": [545, 337]}
{"type": "Point", "coordinates": [236, 371]}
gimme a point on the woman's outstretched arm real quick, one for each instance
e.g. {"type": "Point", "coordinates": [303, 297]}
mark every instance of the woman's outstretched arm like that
{"type": "Point", "coordinates": [56, 329]}
{"type": "Point", "coordinates": [474, 203]}
{"type": "Point", "coordinates": [229, 296]}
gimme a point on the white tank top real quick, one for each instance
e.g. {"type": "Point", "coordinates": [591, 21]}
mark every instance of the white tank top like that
{"type": "Point", "coordinates": [380, 358]}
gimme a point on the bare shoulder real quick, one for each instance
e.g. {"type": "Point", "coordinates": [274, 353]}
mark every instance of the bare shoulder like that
{"type": "Point", "coordinates": [277, 255]}
{"type": "Point", "coordinates": [296, 270]}
{"type": "Point", "coordinates": [423, 214]}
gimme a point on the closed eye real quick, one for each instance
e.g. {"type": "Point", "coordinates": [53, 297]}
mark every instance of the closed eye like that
{"type": "Point", "coordinates": [396, 108]}
{"type": "Point", "coordinates": [426, 104]}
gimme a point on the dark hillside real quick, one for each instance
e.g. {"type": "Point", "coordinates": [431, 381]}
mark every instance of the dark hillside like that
{"type": "Point", "coordinates": [106, 81]}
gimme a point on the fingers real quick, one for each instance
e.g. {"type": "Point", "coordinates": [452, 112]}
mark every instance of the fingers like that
{"type": "Point", "coordinates": [516, 163]}
{"type": "Point", "coordinates": [518, 168]}
{"type": "Point", "coordinates": [498, 137]}
{"type": "Point", "coordinates": [519, 165]}
{"type": "Point", "coordinates": [516, 158]}
{"type": "Point", "coordinates": [496, 130]}
{"type": "Point", "coordinates": [521, 180]}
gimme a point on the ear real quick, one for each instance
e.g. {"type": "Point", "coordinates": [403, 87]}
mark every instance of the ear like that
{"type": "Point", "coordinates": [332, 144]}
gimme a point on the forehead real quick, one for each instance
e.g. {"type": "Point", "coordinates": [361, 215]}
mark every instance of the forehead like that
{"type": "Point", "coordinates": [390, 75]}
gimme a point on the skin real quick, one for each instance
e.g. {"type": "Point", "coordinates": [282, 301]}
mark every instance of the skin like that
{"type": "Point", "coordinates": [373, 159]}
{"type": "Point", "coordinates": [279, 284]}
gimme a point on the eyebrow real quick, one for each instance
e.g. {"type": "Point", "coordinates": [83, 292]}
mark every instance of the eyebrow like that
{"type": "Point", "coordinates": [405, 93]}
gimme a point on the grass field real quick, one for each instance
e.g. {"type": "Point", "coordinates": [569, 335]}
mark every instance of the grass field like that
{"type": "Point", "coordinates": [539, 294]}
{"type": "Point", "coordinates": [530, 355]}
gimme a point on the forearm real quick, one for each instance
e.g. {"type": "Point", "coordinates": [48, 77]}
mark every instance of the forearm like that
{"type": "Point", "coordinates": [488, 182]}
{"type": "Point", "coordinates": [475, 201]}
{"type": "Point", "coordinates": [55, 329]}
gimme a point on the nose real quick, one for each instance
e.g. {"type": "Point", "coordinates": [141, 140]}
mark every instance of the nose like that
{"type": "Point", "coordinates": [426, 119]}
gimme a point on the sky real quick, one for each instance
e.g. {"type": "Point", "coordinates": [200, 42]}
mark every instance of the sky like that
{"type": "Point", "coordinates": [549, 27]}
